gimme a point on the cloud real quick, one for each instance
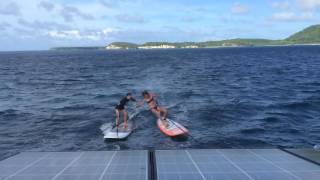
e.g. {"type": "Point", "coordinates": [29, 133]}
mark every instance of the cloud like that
{"type": "Point", "coordinates": [309, 4]}
{"type": "Point", "coordinates": [305, 5]}
{"type": "Point", "coordinates": [189, 19]}
{"type": "Point", "coordinates": [163, 33]}
{"type": "Point", "coordinates": [46, 5]}
{"type": "Point", "coordinates": [130, 18]}
{"type": "Point", "coordinates": [25, 33]}
{"type": "Point", "coordinates": [10, 9]}
{"type": "Point", "coordinates": [4, 26]}
{"type": "Point", "coordinates": [295, 10]}
{"type": "Point", "coordinates": [108, 3]}
{"type": "Point", "coordinates": [291, 16]}
{"type": "Point", "coordinates": [93, 35]}
{"type": "Point", "coordinates": [41, 25]}
{"type": "Point", "coordinates": [113, 3]}
{"type": "Point", "coordinates": [281, 5]}
{"type": "Point", "coordinates": [73, 34]}
{"type": "Point", "coordinates": [202, 9]}
{"type": "Point", "coordinates": [69, 12]}
{"type": "Point", "coordinates": [238, 8]}
{"type": "Point", "coordinates": [108, 31]}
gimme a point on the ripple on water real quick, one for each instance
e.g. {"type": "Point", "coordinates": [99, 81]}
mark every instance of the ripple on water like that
{"type": "Point", "coordinates": [228, 98]}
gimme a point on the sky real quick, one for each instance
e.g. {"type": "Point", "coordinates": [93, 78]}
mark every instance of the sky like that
{"type": "Point", "coordinates": [42, 24]}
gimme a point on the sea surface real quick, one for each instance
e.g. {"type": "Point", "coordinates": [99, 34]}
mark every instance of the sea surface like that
{"type": "Point", "coordinates": [257, 97]}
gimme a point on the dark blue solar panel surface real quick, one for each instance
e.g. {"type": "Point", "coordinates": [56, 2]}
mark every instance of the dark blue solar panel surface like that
{"type": "Point", "coordinates": [108, 165]}
{"type": "Point", "coordinates": [222, 164]}
{"type": "Point", "coordinates": [233, 164]}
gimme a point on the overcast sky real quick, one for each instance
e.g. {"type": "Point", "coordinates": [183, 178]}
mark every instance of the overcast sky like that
{"type": "Point", "coordinates": [41, 24]}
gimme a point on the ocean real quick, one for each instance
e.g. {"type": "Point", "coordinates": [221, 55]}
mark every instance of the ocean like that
{"type": "Point", "coordinates": [250, 97]}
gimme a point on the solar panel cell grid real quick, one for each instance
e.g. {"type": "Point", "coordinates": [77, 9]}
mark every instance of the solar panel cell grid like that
{"type": "Point", "coordinates": [78, 177]}
{"type": "Point", "coordinates": [31, 177]}
{"type": "Point", "coordinates": [235, 164]}
{"type": "Point", "coordinates": [76, 165]}
{"type": "Point", "coordinates": [225, 164]}
{"type": "Point", "coordinates": [187, 176]}
{"type": "Point", "coordinates": [127, 165]}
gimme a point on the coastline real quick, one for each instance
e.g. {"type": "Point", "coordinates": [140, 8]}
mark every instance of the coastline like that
{"type": "Point", "coordinates": [211, 47]}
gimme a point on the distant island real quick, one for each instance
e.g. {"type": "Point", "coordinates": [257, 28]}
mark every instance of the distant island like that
{"type": "Point", "coordinates": [79, 48]}
{"type": "Point", "coordinates": [308, 36]}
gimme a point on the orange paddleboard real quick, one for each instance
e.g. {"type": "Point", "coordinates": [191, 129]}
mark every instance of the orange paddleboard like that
{"type": "Point", "coordinates": [173, 128]}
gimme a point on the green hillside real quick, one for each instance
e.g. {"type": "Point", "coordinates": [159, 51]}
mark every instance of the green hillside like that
{"type": "Point", "coordinates": [176, 44]}
{"type": "Point", "coordinates": [239, 42]}
{"type": "Point", "coordinates": [308, 35]}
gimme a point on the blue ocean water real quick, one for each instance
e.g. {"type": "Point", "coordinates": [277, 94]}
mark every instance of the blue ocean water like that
{"type": "Point", "coordinates": [227, 97]}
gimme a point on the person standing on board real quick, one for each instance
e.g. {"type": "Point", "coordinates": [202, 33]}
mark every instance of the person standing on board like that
{"type": "Point", "coordinates": [120, 108]}
{"type": "Point", "coordinates": [160, 112]}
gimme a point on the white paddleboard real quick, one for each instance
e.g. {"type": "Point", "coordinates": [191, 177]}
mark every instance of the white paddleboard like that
{"type": "Point", "coordinates": [119, 132]}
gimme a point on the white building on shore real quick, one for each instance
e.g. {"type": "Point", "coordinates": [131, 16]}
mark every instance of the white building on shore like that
{"type": "Point", "coordinates": [113, 47]}
{"type": "Point", "coordinates": [162, 46]}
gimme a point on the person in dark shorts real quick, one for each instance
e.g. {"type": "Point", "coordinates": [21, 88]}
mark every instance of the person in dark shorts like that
{"type": "Point", "coordinates": [120, 108]}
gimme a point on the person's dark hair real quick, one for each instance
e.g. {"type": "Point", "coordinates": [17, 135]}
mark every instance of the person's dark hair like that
{"type": "Point", "coordinates": [145, 93]}
{"type": "Point", "coordinates": [129, 94]}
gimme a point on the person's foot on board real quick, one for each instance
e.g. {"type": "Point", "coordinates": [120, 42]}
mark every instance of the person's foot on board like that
{"type": "Point", "coordinates": [125, 127]}
{"type": "Point", "coordinates": [120, 108]}
{"type": "Point", "coordinates": [165, 122]}
{"type": "Point", "coordinates": [151, 100]}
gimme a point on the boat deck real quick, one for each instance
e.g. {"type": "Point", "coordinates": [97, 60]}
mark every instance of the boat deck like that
{"type": "Point", "coordinates": [193, 164]}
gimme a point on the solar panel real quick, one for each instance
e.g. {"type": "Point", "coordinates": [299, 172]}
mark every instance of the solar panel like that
{"type": "Point", "coordinates": [107, 165]}
{"type": "Point", "coordinates": [233, 164]}
{"type": "Point", "coordinates": [309, 154]}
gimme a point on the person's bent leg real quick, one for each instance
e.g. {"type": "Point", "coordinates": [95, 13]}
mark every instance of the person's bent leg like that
{"type": "Point", "coordinates": [164, 111]}
{"type": "Point", "coordinates": [125, 117]}
{"type": "Point", "coordinates": [118, 117]}
{"type": "Point", "coordinates": [157, 113]}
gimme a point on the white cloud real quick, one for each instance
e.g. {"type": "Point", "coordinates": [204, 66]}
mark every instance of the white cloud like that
{"type": "Point", "coordinates": [10, 9]}
{"type": "Point", "coordinates": [70, 34]}
{"type": "Point", "coordinates": [69, 12]}
{"type": "Point", "coordinates": [281, 5]}
{"type": "Point", "coordinates": [46, 5]}
{"type": "Point", "coordinates": [107, 3]}
{"type": "Point", "coordinates": [108, 31]}
{"type": "Point", "coordinates": [93, 35]}
{"type": "Point", "coordinates": [283, 16]}
{"type": "Point", "coordinates": [114, 3]}
{"type": "Point", "coordinates": [291, 16]}
{"type": "Point", "coordinates": [41, 25]}
{"type": "Point", "coordinates": [295, 10]}
{"type": "Point", "coordinates": [190, 19]}
{"type": "Point", "coordinates": [309, 4]}
{"type": "Point", "coordinates": [238, 8]}
{"type": "Point", "coordinates": [4, 26]}
{"type": "Point", "coordinates": [130, 18]}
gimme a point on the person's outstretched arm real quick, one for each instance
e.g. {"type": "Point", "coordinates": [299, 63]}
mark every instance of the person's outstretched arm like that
{"type": "Point", "coordinates": [139, 103]}
{"type": "Point", "coordinates": [154, 95]}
